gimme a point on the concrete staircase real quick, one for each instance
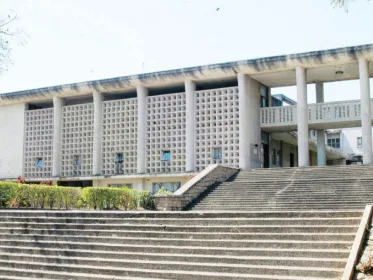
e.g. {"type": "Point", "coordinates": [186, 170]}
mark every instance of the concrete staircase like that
{"type": "Point", "coordinates": [176, 245]}
{"type": "Point", "coordinates": [333, 187]}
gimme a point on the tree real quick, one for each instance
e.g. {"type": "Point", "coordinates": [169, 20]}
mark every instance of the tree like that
{"type": "Point", "coordinates": [8, 34]}
{"type": "Point", "coordinates": [339, 3]}
{"type": "Point", "coordinates": [342, 3]}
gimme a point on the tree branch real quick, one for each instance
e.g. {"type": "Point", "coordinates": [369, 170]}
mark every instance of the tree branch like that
{"type": "Point", "coordinates": [6, 22]}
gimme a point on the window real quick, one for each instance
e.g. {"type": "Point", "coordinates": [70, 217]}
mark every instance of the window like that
{"type": "Point", "coordinates": [166, 155]}
{"type": "Point", "coordinates": [127, 185]}
{"type": "Point", "coordinates": [39, 162]}
{"type": "Point", "coordinates": [119, 166]}
{"type": "Point", "coordinates": [77, 161]}
{"type": "Point", "coordinates": [217, 153]}
{"type": "Point", "coordinates": [119, 158]}
{"type": "Point", "coordinates": [170, 186]}
{"type": "Point", "coordinates": [334, 142]}
{"type": "Point", "coordinates": [274, 157]}
{"type": "Point", "coordinates": [360, 142]}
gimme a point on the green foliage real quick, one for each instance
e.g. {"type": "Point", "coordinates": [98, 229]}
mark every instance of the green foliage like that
{"type": "Point", "coordinates": [18, 195]}
{"type": "Point", "coordinates": [6, 193]}
{"type": "Point", "coordinates": [116, 198]}
{"type": "Point", "coordinates": [163, 191]}
{"type": "Point", "coordinates": [145, 200]}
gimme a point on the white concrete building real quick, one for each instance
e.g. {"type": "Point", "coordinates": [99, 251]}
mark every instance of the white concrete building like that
{"type": "Point", "coordinates": [164, 127]}
{"type": "Point", "coordinates": [349, 141]}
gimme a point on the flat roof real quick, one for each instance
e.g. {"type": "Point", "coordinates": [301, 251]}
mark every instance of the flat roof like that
{"type": "Point", "coordinates": [272, 71]}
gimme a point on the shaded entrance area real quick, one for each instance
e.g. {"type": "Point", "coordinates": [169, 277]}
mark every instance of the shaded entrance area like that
{"type": "Point", "coordinates": [81, 184]}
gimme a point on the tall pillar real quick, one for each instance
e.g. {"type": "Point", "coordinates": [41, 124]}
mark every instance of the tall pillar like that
{"type": "Point", "coordinates": [269, 96]}
{"type": "Point", "coordinates": [250, 133]}
{"type": "Point", "coordinates": [97, 132]}
{"type": "Point", "coordinates": [58, 102]}
{"type": "Point", "coordinates": [366, 117]}
{"type": "Point", "coordinates": [142, 93]}
{"type": "Point", "coordinates": [321, 147]}
{"type": "Point", "coordinates": [190, 88]}
{"type": "Point", "coordinates": [302, 117]}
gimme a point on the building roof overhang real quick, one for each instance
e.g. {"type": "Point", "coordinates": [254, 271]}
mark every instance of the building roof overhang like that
{"type": "Point", "coordinates": [272, 71]}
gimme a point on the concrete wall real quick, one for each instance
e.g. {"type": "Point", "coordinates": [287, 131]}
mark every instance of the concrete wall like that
{"type": "Point", "coordinates": [287, 149]}
{"type": "Point", "coordinates": [275, 147]}
{"type": "Point", "coordinates": [349, 140]}
{"type": "Point", "coordinates": [313, 158]}
{"type": "Point", "coordinates": [141, 183]}
{"type": "Point", "coordinates": [12, 125]}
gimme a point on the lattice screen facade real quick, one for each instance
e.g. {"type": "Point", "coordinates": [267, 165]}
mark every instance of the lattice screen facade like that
{"type": "Point", "coordinates": [38, 145]}
{"type": "Point", "coordinates": [77, 140]}
{"type": "Point", "coordinates": [165, 133]}
{"type": "Point", "coordinates": [217, 126]}
{"type": "Point", "coordinates": [119, 136]}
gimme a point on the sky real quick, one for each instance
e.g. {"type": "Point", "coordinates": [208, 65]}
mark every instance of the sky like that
{"type": "Point", "coordinates": [79, 40]}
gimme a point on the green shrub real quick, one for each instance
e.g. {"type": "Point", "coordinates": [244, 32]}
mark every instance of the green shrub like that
{"type": "Point", "coordinates": [6, 193]}
{"type": "Point", "coordinates": [116, 198]}
{"type": "Point", "coordinates": [109, 198]}
{"type": "Point", "coordinates": [145, 200]}
{"type": "Point", "coordinates": [163, 191]}
{"type": "Point", "coordinates": [18, 195]}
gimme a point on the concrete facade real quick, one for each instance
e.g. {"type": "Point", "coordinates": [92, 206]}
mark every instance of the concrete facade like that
{"type": "Point", "coordinates": [143, 129]}
{"type": "Point", "coordinates": [12, 123]}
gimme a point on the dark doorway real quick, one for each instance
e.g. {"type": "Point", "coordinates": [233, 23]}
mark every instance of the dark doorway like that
{"type": "Point", "coordinates": [291, 160]}
{"type": "Point", "coordinates": [81, 184]}
{"type": "Point", "coordinates": [265, 156]}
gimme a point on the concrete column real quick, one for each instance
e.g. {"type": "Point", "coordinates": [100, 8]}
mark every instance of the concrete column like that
{"type": "Point", "coordinates": [97, 132]}
{"type": "Point", "coordinates": [250, 133]}
{"type": "Point", "coordinates": [302, 117]}
{"type": "Point", "coordinates": [270, 137]}
{"type": "Point", "coordinates": [366, 118]}
{"type": "Point", "coordinates": [190, 88]}
{"type": "Point", "coordinates": [142, 93]}
{"type": "Point", "coordinates": [321, 147]}
{"type": "Point", "coordinates": [269, 97]}
{"type": "Point", "coordinates": [58, 102]}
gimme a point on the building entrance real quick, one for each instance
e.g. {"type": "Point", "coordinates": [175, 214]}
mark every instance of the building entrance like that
{"type": "Point", "coordinates": [81, 184]}
{"type": "Point", "coordinates": [265, 151]}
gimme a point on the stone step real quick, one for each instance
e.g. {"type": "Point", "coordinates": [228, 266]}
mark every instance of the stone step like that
{"type": "Point", "coordinates": [185, 228]}
{"type": "Point", "coordinates": [175, 269]}
{"type": "Point", "coordinates": [62, 240]}
{"type": "Point", "coordinates": [274, 206]}
{"type": "Point", "coordinates": [47, 214]}
{"type": "Point", "coordinates": [84, 249]}
{"type": "Point", "coordinates": [93, 260]}
{"type": "Point", "coordinates": [317, 189]}
{"type": "Point", "coordinates": [285, 204]}
{"type": "Point", "coordinates": [252, 189]}
{"type": "Point", "coordinates": [287, 195]}
{"type": "Point", "coordinates": [177, 275]}
{"type": "Point", "coordinates": [17, 274]}
{"type": "Point", "coordinates": [190, 235]}
{"type": "Point", "coordinates": [331, 198]}
{"type": "Point", "coordinates": [183, 221]}
{"type": "Point", "coordinates": [313, 187]}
